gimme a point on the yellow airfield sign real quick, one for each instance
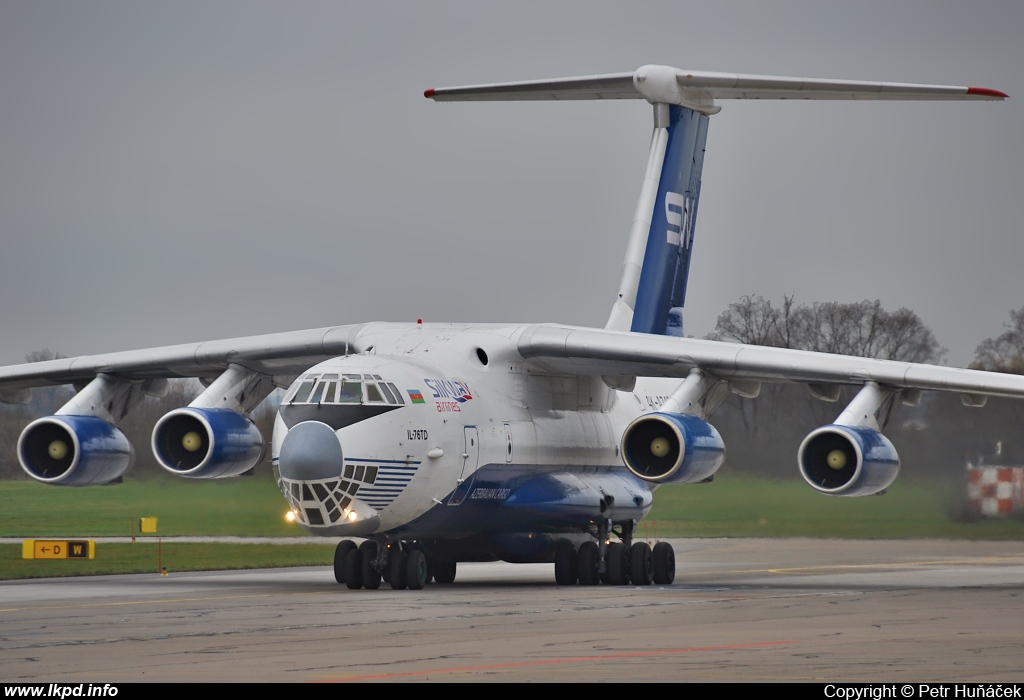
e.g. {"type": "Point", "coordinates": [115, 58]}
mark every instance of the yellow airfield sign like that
{"type": "Point", "coordinates": [58, 549]}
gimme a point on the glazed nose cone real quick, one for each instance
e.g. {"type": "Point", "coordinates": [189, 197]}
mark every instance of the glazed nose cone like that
{"type": "Point", "coordinates": [310, 451]}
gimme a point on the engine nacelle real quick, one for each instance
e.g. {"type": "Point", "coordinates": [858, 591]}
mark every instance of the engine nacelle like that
{"type": "Point", "coordinates": [207, 443]}
{"type": "Point", "coordinates": [74, 451]}
{"type": "Point", "coordinates": [843, 460]}
{"type": "Point", "coordinates": [672, 448]}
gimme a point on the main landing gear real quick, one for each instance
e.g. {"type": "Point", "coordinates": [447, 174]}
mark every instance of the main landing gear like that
{"type": "Point", "coordinates": [401, 565]}
{"type": "Point", "coordinates": [614, 563]}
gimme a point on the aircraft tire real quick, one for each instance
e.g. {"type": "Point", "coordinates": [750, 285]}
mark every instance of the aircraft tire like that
{"type": "Point", "coordinates": [663, 564]}
{"type": "Point", "coordinates": [416, 570]}
{"type": "Point", "coordinates": [343, 548]}
{"type": "Point", "coordinates": [444, 571]}
{"type": "Point", "coordinates": [396, 569]}
{"type": "Point", "coordinates": [617, 564]}
{"type": "Point", "coordinates": [589, 560]}
{"type": "Point", "coordinates": [566, 563]}
{"type": "Point", "coordinates": [370, 576]}
{"type": "Point", "coordinates": [354, 569]}
{"type": "Point", "coordinates": [640, 564]}
{"type": "Point", "coordinates": [430, 562]}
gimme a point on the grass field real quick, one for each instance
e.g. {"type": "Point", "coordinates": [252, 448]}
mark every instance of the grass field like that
{"type": "Point", "coordinates": [144, 556]}
{"type": "Point", "coordinates": [736, 506]}
{"type": "Point", "coordinates": [245, 506]}
{"type": "Point", "coordinates": [731, 506]}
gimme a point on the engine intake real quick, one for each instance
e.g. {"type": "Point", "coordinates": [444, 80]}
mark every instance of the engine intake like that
{"type": "Point", "coordinates": [207, 443]}
{"type": "Point", "coordinates": [842, 460]}
{"type": "Point", "coordinates": [74, 451]}
{"type": "Point", "coordinates": [672, 448]}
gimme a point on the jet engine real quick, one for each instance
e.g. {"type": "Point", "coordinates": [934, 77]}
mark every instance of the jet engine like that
{"type": "Point", "coordinates": [843, 460]}
{"type": "Point", "coordinates": [672, 448]}
{"type": "Point", "coordinates": [207, 443]}
{"type": "Point", "coordinates": [68, 450]}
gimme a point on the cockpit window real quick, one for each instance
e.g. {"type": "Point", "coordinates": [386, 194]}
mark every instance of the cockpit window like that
{"type": "Point", "coordinates": [343, 389]}
{"type": "Point", "coordinates": [373, 394]}
{"type": "Point", "coordinates": [302, 393]}
{"type": "Point", "coordinates": [397, 393]}
{"type": "Point", "coordinates": [351, 392]}
{"type": "Point", "coordinates": [324, 389]}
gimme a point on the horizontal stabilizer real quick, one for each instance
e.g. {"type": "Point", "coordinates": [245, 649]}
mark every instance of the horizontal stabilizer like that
{"type": "Point", "coordinates": [699, 89]}
{"type": "Point", "coordinates": [611, 86]}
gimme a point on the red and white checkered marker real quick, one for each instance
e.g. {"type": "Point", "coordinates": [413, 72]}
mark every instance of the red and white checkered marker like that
{"type": "Point", "coordinates": [995, 490]}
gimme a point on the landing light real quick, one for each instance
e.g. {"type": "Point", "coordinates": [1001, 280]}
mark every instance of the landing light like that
{"type": "Point", "coordinates": [352, 515]}
{"type": "Point", "coordinates": [290, 516]}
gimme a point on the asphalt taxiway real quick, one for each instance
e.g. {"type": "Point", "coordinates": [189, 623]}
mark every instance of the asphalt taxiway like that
{"type": "Point", "coordinates": [739, 610]}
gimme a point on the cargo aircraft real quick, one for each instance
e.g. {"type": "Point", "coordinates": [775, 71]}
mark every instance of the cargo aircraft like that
{"type": "Point", "coordinates": [440, 443]}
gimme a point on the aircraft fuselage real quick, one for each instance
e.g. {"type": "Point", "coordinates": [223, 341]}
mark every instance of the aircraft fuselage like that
{"type": "Point", "coordinates": [472, 441]}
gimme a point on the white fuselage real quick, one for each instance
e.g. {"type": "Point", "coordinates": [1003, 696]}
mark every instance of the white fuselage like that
{"type": "Point", "coordinates": [468, 401]}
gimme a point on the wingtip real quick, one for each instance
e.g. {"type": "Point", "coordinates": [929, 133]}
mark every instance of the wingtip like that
{"type": "Point", "coordinates": [430, 92]}
{"type": "Point", "coordinates": [986, 92]}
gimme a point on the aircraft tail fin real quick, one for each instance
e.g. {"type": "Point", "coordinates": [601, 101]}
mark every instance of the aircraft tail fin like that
{"type": "Point", "coordinates": [652, 288]}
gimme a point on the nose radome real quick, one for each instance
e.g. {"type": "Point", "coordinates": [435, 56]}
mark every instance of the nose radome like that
{"type": "Point", "coordinates": [310, 451]}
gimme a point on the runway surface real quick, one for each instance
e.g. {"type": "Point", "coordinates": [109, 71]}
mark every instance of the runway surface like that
{"type": "Point", "coordinates": [739, 610]}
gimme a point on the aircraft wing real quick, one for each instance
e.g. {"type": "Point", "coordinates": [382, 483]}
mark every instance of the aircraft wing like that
{"type": "Point", "coordinates": [596, 352]}
{"type": "Point", "coordinates": [275, 355]}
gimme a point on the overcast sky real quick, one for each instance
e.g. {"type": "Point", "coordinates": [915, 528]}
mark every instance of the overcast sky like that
{"type": "Point", "coordinates": [181, 171]}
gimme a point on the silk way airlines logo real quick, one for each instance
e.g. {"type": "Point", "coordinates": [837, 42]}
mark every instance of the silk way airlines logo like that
{"type": "Point", "coordinates": [444, 389]}
{"type": "Point", "coordinates": [679, 215]}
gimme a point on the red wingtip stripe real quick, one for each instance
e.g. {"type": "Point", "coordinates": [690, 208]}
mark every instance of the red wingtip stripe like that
{"type": "Point", "coordinates": [430, 92]}
{"type": "Point", "coordinates": [987, 92]}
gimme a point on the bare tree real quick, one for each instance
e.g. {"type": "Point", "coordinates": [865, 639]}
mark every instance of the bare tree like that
{"type": "Point", "coordinates": [864, 329]}
{"type": "Point", "coordinates": [43, 355]}
{"type": "Point", "coordinates": [1004, 422]}
{"type": "Point", "coordinates": [751, 321]}
{"type": "Point", "coordinates": [14, 417]}
{"type": "Point", "coordinates": [1004, 353]}
{"type": "Point", "coordinates": [764, 434]}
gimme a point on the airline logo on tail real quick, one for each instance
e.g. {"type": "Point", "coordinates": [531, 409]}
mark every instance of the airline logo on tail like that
{"type": "Point", "coordinates": [680, 222]}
